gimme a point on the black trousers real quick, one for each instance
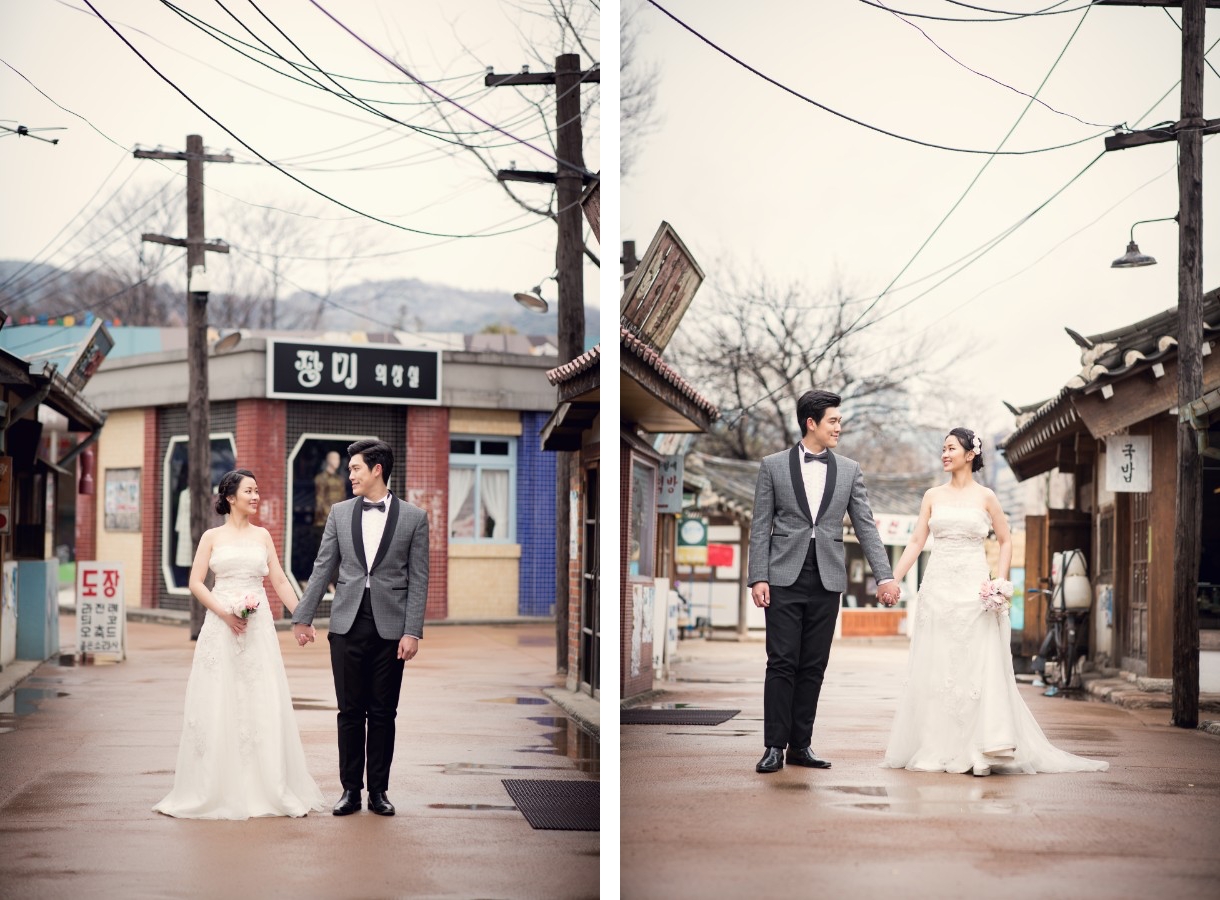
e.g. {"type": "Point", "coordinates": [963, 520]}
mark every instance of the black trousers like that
{"type": "Point", "coordinates": [800, 628]}
{"type": "Point", "coordinates": [368, 680]}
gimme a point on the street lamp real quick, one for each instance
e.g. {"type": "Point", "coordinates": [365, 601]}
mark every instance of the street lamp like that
{"type": "Point", "coordinates": [533, 299]}
{"type": "Point", "coordinates": [1133, 258]}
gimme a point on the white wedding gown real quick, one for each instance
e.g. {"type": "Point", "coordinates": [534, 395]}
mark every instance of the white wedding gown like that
{"type": "Point", "coordinates": [960, 710]}
{"type": "Point", "coordinates": [240, 754]}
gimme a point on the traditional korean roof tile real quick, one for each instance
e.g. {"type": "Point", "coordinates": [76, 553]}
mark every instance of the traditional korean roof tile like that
{"type": "Point", "coordinates": [632, 344]}
{"type": "Point", "coordinates": [570, 370]}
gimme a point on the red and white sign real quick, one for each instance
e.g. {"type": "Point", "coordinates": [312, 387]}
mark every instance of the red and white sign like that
{"type": "Point", "coordinates": [101, 612]}
{"type": "Point", "coordinates": [719, 554]}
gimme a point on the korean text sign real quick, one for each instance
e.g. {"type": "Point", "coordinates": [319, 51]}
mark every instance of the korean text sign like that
{"type": "Point", "coordinates": [1129, 463]}
{"type": "Point", "coordinates": [101, 612]}
{"type": "Point", "coordinates": [353, 373]}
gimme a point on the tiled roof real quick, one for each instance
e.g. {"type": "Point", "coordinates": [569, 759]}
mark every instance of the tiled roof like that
{"type": "Point", "coordinates": [653, 359]}
{"type": "Point", "coordinates": [569, 370]}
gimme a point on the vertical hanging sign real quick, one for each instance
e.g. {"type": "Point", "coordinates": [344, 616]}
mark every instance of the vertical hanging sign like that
{"type": "Point", "coordinates": [1129, 463]}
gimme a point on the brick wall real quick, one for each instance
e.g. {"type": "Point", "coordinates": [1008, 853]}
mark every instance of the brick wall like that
{"type": "Point", "coordinates": [428, 487]}
{"type": "Point", "coordinates": [536, 520]}
{"type": "Point", "coordinates": [260, 432]}
{"type": "Point", "coordinates": [150, 513]}
{"type": "Point", "coordinates": [86, 509]}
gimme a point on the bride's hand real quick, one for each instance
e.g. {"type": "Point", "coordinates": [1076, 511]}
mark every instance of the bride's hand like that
{"type": "Point", "coordinates": [236, 623]}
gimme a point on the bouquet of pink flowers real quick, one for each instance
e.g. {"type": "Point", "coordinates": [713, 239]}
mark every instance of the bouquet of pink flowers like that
{"type": "Point", "coordinates": [246, 605]}
{"type": "Point", "coordinates": [996, 595]}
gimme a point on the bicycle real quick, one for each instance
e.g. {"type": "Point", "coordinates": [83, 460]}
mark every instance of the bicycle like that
{"type": "Point", "coordinates": [1066, 641]}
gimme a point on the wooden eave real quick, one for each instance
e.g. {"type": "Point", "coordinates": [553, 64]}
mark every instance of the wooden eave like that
{"type": "Point", "coordinates": [653, 404]}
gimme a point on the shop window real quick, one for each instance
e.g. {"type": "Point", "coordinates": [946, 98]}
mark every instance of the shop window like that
{"type": "Point", "coordinates": [482, 489]}
{"type": "Point", "coordinates": [177, 548]}
{"type": "Point", "coordinates": [317, 480]}
{"type": "Point", "coordinates": [643, 524]}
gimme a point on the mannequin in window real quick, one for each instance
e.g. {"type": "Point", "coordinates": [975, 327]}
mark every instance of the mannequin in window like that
{"type": "Point", "coordinates": [329, 487]}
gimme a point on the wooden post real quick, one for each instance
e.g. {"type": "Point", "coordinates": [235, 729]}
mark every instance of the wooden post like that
{"type": "Point", "coordinates": [199, 449]}
{"type": "Point", "coordinates": [743, 590]}
{"type": "Point", "coordinates": [1185, 713]}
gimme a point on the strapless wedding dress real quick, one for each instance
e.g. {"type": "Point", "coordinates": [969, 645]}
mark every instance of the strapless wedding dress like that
{"type": "Point", "coordinates": [240, 754]}
{"type": "Point", "coordinates": [960, 709]}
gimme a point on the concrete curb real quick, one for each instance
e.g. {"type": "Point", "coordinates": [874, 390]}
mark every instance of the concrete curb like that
{"type": "Point", "coordinates": [1136, 692]}
{"type": "Point", "coordinates": [582, 708]}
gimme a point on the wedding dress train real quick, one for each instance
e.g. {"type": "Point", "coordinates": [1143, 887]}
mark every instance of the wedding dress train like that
{"type": "Point", "coordinates": [240, 754]}
{"type": "Point", "coordinates": [960, 710]}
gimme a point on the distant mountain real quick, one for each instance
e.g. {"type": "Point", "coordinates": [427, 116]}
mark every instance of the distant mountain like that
{"type": "Point", "coordinates": [406, 304]}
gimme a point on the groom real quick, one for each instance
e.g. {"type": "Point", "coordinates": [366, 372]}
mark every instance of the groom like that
{"type": "Point", "coordinates": [797, 571]}
{"type": "Point", "coordinates": [375, 551]}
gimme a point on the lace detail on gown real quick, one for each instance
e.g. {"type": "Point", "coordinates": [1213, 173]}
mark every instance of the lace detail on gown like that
{"type": "Point", "coordinates": [960, 708]}
{"type": "Point", "coordinates": [240, 754]}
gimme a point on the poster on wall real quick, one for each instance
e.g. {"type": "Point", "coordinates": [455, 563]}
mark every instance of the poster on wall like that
{"type": "Point", "coordinates": [121, 503]}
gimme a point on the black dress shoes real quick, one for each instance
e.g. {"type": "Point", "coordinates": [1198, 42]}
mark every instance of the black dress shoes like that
{"type": "Point", "coordinates": [348, 804]}
{"type": "Point", "coordinates": [805, 757]}
{"type": "Point", "coordinates": [772, 761]}
{"type": "Point", "coordinates": [380, 803]}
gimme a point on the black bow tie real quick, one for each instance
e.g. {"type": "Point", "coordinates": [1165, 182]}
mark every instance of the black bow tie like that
{"type": "Point", "coordinates": [379, 506]}
{"type": "Point", "coordinates": [820, 457]}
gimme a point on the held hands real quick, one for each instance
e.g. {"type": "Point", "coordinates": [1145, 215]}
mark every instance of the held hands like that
{"type": "Point", "coordinates": [760, 593]}
{"type": "Point", "coordinates": [304, 634]}
{"type": "Point", "coordinates": [888, 593]}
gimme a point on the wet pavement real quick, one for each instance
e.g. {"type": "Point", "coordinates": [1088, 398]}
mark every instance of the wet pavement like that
{"type": "Point", "coordinates": [85, 752]}
{"type": "Point", "coordinates": [697, 820]}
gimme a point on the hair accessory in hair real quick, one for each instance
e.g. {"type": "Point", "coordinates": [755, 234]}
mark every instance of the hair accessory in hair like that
{"type": "Point", "coordinates": [978, 445]}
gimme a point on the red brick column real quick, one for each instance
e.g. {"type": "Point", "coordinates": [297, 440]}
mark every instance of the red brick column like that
{"type": "Point", "coordinates": [86, 512]}
{"type": "Point", "coordinates": [427, 475]}
{"type": "Point", "coordinates": [262, 427]}
{"type": "Point", "coordinates": [150, 513]}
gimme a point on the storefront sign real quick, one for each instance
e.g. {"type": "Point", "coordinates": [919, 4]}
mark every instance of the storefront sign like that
{"type": "Point", "coordinates": [353, 373]}
{"type": "Point", "coordinates": [1129, 463]}
{"type": "Point", "coordinates": [669, 485]}
{"type": "Point", "coordinates": [692, 542]}
{"type": "Point", "coordinates": [720, 554]}
{"type": "Point", "coordinates": [101, 613]}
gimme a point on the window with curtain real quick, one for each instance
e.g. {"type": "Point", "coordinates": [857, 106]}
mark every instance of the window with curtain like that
{"type": "Point", "coordinates": [482, 489]}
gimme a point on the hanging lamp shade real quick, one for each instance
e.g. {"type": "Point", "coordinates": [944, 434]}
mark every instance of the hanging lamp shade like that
{"type": "Point", "coordinates": [1133, 258]}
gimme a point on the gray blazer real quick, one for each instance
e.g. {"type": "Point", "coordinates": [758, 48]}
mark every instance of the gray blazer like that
{"type": "Point", "coordinates": [783, 525]}
{"type": "Point", "coordinates": [398, 578]}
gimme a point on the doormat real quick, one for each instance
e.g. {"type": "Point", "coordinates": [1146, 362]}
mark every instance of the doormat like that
{"type": "Point", "coordinates": [676, 716]}
{"type": "Point", "coordinates": [557, 805]}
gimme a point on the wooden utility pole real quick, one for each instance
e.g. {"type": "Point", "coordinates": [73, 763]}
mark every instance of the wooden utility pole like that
{"type": "Point", "coordinates": [199, 450]}
{"type": "Point", "coordinates": [569, 179]}
{"type": "Point", "coordinates": [1188, 132]}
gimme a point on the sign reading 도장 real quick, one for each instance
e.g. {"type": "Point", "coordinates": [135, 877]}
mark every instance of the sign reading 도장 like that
{"type": "Point", "coordinates": [101, 612]}
{"type": "Point", "coordinates": [353, 373]}
{"type": "Point", "coordinates": [1129, 463]}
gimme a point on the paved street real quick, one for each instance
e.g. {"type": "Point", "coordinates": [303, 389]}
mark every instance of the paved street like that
{"type": "Point", "coordinates": [86, 751]}
{"type": "Point", "coordinates": [698, 822]}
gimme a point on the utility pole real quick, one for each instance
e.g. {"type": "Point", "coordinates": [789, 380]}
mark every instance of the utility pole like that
{"type": "Point", "coordinates": [569, 179]}
{"type": "Point", "coordinates": [1188, 132]}
{"type": "Point", "coordinates": [199, 447]}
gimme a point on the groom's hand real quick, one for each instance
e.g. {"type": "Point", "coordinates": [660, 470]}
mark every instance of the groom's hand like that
{"type": "Point", "coordinates": [304, 634]}
{"type": "Point", "coordinates": [408, 646]}
{"type": "Point", "coordinates": [760, 592]}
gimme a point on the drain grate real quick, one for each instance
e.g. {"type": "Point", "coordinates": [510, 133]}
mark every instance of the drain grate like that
{"type": "Point", "coordinates": [676, 716]}
{"type": "Point", "coordinates": [557, 805]}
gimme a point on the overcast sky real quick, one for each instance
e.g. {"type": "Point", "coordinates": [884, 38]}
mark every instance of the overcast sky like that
{"type": "Point", "coordinates": [411, 179]}
{"type": "Point", "coordinates": [753, 177]}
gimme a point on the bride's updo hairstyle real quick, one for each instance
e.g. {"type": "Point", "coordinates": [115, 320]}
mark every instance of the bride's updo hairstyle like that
{"type": "Point", "coordinates": [228, 488]}
{"type": "Point", "coordinates": [970, 442]}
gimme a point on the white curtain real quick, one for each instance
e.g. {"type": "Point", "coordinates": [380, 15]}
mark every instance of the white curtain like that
{"type": "Point", "coordinates": [494, 496]}
{"type": "Point", "coordinates": [461, 499]}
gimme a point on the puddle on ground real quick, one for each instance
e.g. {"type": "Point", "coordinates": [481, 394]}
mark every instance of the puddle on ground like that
{"type": "Point", "coordinates": [791, 785]}
{"type": "Point", "coordinates": [478, 806]}
{"type": "Point", "coordinates": [307, 703]}
{"type": "Point", "coordinates": [707, 732]}
{"type": "Point", "coordinates": [22, 702]}
{"type": "Point", "coordinates": [570, 740]}
{"type": "Point", "coordinates": [519, 701]}
{"type": "Point", "coordinates": [461, 767]}
{"type": "Point", "coordinates": [931, 801]}
{"type": "Point", "coordinates": [865, 790]}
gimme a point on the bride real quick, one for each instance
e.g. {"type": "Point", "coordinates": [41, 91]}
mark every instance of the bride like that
{"type": "Point", "coordinates": [960, 710]}
{"type": "Point", "coordinates": [240, 754]}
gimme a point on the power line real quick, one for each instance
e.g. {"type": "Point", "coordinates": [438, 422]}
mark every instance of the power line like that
{"type": "Point", "coordinates": [284, 172]}
{"type": "Point", "coordinates": [1033, 97]}
{"type": "Point", "coordinates": [834, 112]}
{"type": "Point", "coordinates": [1009, 17]}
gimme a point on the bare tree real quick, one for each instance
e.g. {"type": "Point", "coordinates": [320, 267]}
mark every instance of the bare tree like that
{"type": "Point", "coordinates": [638, 115]}
{"type": "Point", "coordinates": [758, 345]}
